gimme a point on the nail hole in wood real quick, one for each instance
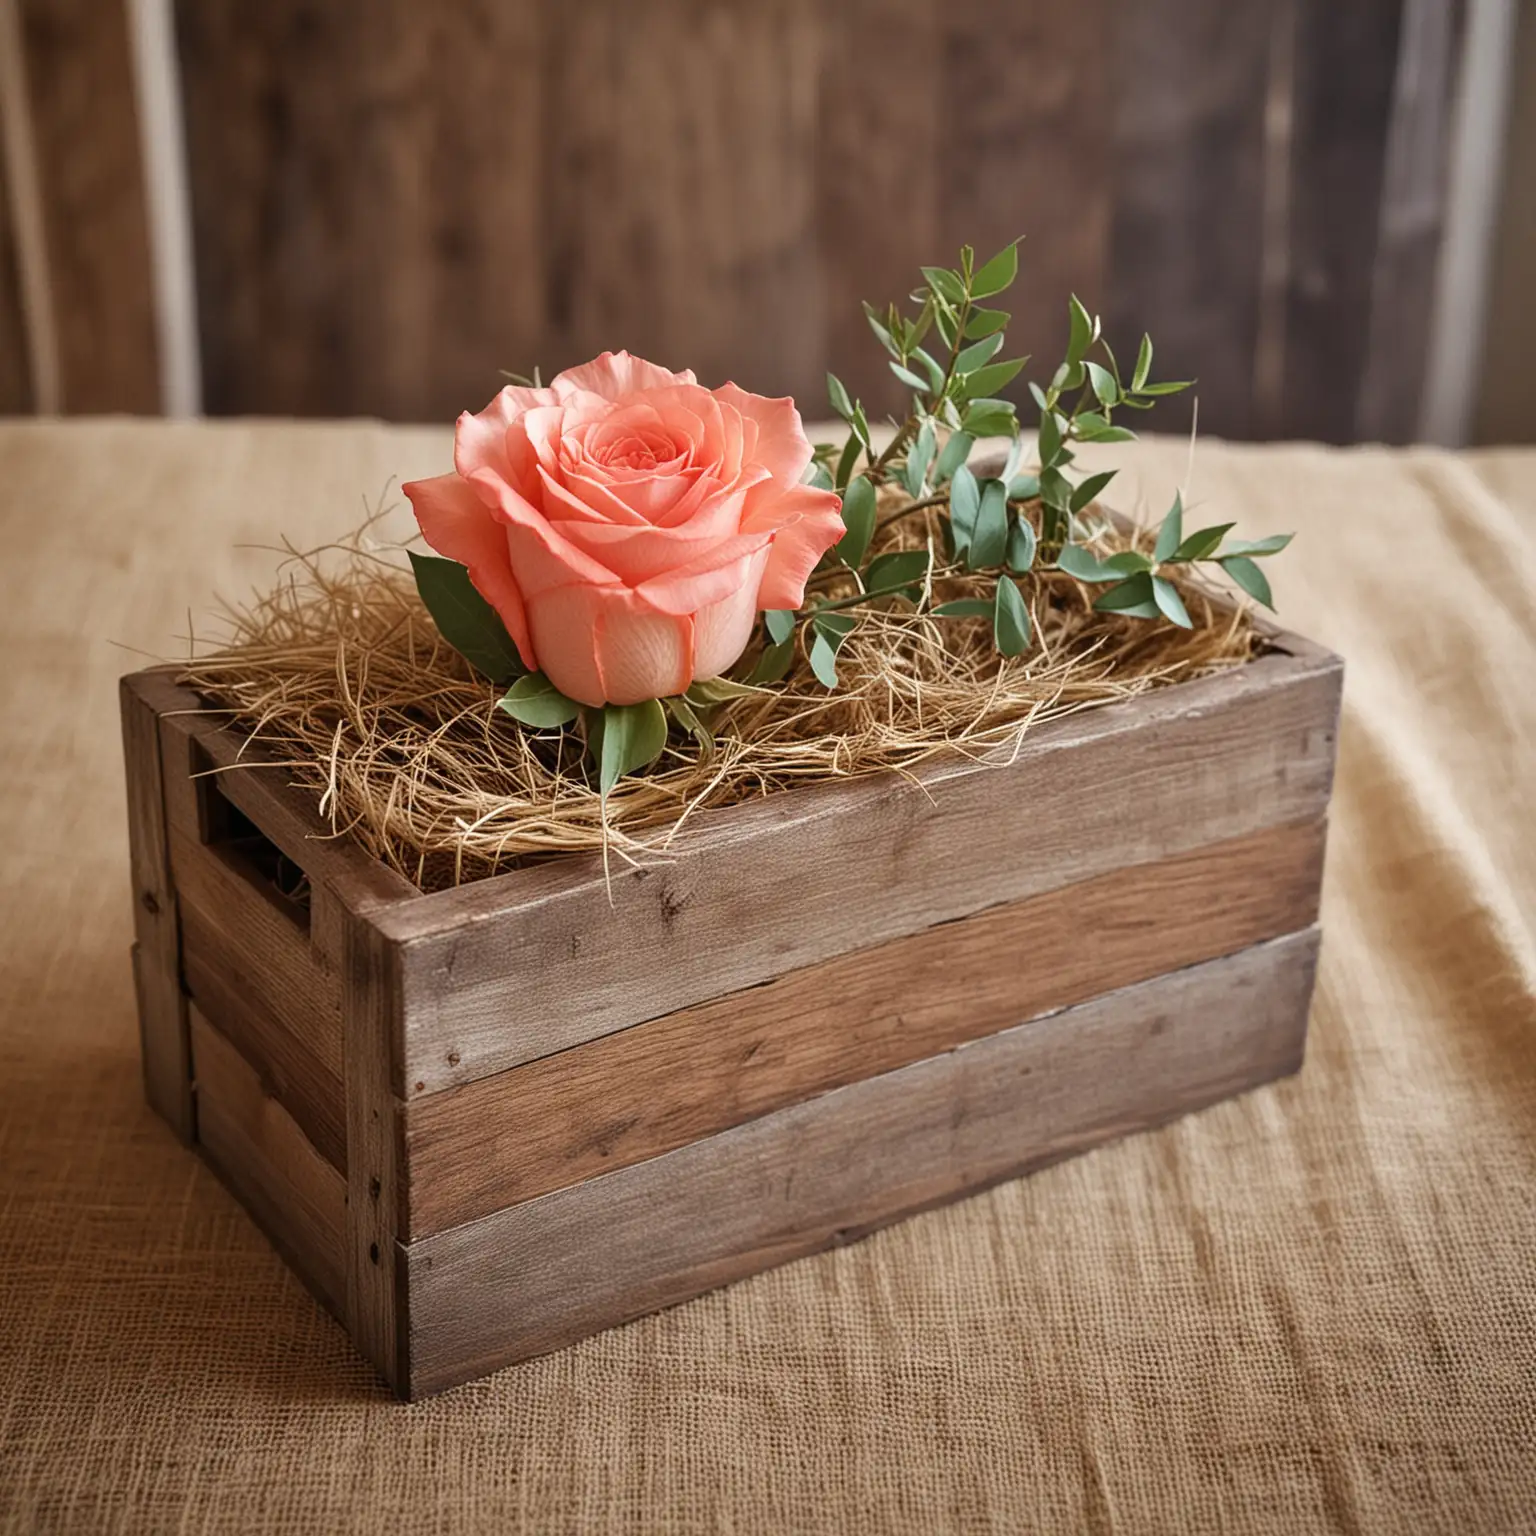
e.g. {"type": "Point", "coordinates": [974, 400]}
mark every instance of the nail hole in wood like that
{"type": "Point", "coordinates": [373, 1252]}
{"type": "Point", "coordinates": [374, 1188]}
{"type": "Point", "coordinates": [151, 905]}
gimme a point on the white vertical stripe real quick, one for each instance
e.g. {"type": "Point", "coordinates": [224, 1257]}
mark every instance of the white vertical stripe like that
{"type": "Point", "coordinates": [170, 222]}
{"type": "Point", "coordinates": [1476, 182]}
{"type": "Point", "coordinates": [26, 206]}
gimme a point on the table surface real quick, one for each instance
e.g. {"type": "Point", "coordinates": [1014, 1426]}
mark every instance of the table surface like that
{"type": "Point", "coordinates": [1310, 1309]}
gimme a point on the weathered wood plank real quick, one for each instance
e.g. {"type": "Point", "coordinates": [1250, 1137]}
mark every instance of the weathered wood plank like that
{"type": "Point", "coordinates": [1191, 81]}
{"type": "Point", "coordinates": [157, 950]}
{"type": "Point", "coordinates": [90, 179]}
{"type": "Point", "coordinates": [296, 1196]}
{"type": "Point", "coordinates": [658, 1086]}
{"type": "Point", "coordinates": [525, 964]}
{"type": "Point", "coordinates": [370, 1024]}
{"type": "Point", "coordinates": [545, 1273]}
{"type": "Point", "coordinates": [16, 393]}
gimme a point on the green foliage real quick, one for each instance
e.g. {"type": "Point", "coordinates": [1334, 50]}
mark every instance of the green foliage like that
{"type": "Point", "coordinates": [534, 700]}
{"type": "Point", "coordinates": [632, 736]}
{"type": "Point", "coordinates": [464, 619]}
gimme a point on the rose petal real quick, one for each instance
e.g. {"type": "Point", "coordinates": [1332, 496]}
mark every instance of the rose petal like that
{"type": "Point", "coordinates": [616, 373]}
{"type": "Point", "coordinates": [457, 524]}
{"type": "Point", "coordinates": [806, 523]}
{"type": "Point", "coordinates": [721, 631]}
{"type": "Point", "coordinates": [604, 645]}
{"type": "Point", "coordinates": [540, 557]}
{"type": "Point", "coordinates": [782, 446]}
{"type": "Point", "coordinates": [480, 438]}
{"type": "Point", "coordinates": [712, 577]}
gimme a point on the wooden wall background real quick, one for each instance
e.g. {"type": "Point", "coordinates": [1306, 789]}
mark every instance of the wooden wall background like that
{"type": "Point", "coordinates": [392, 200]}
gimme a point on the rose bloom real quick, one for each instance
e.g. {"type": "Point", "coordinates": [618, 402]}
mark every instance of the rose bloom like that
{"type": "Point", "coordinates": [628, 524]}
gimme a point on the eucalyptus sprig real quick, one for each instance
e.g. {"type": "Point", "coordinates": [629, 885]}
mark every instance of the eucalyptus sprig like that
{"type": "Point", "coordinates": [1005, 526]}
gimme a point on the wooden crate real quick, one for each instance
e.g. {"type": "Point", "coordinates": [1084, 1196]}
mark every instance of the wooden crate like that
{"type": "Point", "coordinates": [485, 1122]}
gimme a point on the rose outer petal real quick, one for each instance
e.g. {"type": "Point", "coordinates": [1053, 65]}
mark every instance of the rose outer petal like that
{"type": "Point", "coordinates": [806, 523]}
{"type": "Point", "coordinates": [617, 373]}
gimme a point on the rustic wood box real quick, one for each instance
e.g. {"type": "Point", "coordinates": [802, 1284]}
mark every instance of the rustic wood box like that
{"type": "Point", "coordinates": [486, 1122]}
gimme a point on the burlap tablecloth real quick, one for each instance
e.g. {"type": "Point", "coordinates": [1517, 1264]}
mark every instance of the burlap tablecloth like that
{"type": "Point", "coordinates": [1312, 1309]}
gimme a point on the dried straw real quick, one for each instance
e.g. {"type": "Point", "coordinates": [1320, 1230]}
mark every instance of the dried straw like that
{"type": "Point", "coordinates": [341, 674]}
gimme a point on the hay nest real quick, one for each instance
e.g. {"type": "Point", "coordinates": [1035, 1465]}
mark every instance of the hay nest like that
{"type": "Point", "coordinates": [341, 675]}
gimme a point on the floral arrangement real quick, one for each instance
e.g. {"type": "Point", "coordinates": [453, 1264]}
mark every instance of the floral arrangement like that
{"type": "Point", "coordinates": [606, 543]}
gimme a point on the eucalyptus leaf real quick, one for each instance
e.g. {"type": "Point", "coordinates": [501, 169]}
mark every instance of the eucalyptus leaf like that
{"type": "Point", "coordinates": [1083, 564]}
{"type": "Point", "coordinates": [1050, 438]}
{"type": "Point", "coordinates": [990, 418]}
{"type": "Point", "coordinates": [998, 273]}
{"type": "Point", "coordinates": [907, 377]}
{"type": "Point", "coordinates": [1024, 487]}
{"type": "Point", "coordinates": [859, 519]}
{"type": "Point", "coordinates": [919, 457]}
{"type": "Point", "coordinates": [882, 334]}
{"type": "Point", "coordinates": [1010, 618]}
{"type": "Point", "coordinates": [1103, 382]}
{"type": "Point", "coordinates": [1128, 562]}
{"type": "Point", "coordinates": [954, 453]}
{"type": "Point", "coordinates": [781, 624]}
{"type": "Point", "coordinates": [774, 664]}
{"type": "Point", "coordinates": [1170, 388]}
{"type": "Point", "coordinates": [846, 460]}
{"type": "Point", "coordinates": [1109, 435]}
{"type": "Point", "coordinates": [1143, 363]}
{"type": "Point", "coordinates": [838, 395]}
{"type": "Point", "coordinates": [1258, 548]}
{"type": "Point", "coordinates": [985, 322]}
{"type": "Point", "coordinates": [464, 619]}
{"type": "Point", "coordinates": [824, 661]}
{"type": "Point", "coordinates": [1080, 330]}
{"type": "Point", "coordinates": [1166, 595]}
{"type": "Point", "coordinates": [710, 691]}
{"type": "Point", "coordinates": [816, 474]}
{"type": "Point", "coordinates": [1132, 597]}
{"type": "Point", "coordinates": [633, 735]}
{"type": "Point", "coordinates": [535, 701]}
{"type": "Point", "coordinates": [964, 504]}
{"type": "Point", "coordinates": [682, 711]}
{"type": "Point", "coordinates": [1085, 492]}
{"type": "Point", "coordinates": [988, 380]}
{"type": "Point", "coordinates": [989, 541]}
{"type": "Point", "coordinates": [1201, 544]}
{"type": "Point", "coordinates": [965, 608]}
{"type": "Point", "coordinates": [931, 367]}
{"type": "Point", "coordinates": [947, 284]}
{"type": "Point", "coordinates": [1170, 533]}
{"type": "Point", "coordinates": [895, 568]}
{"type": "Point", "coordinates": [1249, 577]}
{"type": "Point", "coordinates": [1021, 545]}
{"type": "Point", "coordinates": [978, 353]}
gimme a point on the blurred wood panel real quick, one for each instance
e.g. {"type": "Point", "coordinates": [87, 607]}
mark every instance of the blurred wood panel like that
{"type": "Point", "coordinates": [15, 373]}
{"type": "Point", "coordinates": [1189, 189]}
{"type": "Point", "coordinates": [90, 176]}
{"type": "Point", "coordinates": [392, 201]}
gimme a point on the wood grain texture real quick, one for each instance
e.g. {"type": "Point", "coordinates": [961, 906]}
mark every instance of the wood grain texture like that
{"type": "Point", "coordinates": [90, 176]}
{"type": "Point", "coordinates": [543, 1274]}
{"type": "Point", "coordinates": [525, 964]}
{"type": "Point", "coordinates": [370, 1023]}
{"type": "Point", "coordinates": [296, 1196]}
{"type": "Point", "coordinates": [613, 1102]}
{"type": "Point", "coordinates": [163, 1043]}
{"type": "Point", "coordinates": [15, 369]}
{"type": "Point", "coordinates": [1191, 82]}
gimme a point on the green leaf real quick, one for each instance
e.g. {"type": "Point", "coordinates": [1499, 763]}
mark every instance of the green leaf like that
{"type": "Point", "coordinates": [985, 322]}
{"type": "Point", "coordinates": [1170, 388]}
{"type": "Point", "coordinates": [1143, 363]}
{"type": "Point", "coordinates": [1055, 489]}
{"type": "Point", "coordinates": [633, 735]}
{"type": "Point", "coordinates": [1107, 435]}
{"type": "Point", "coordinates": [1201, 544]}
{"type": "Point", "coordinates": [839, 397]}
{"type": "Point", "coordinates": [946, 283]}
{"type": "Point", "coordinates": [464, 619]}
{"type": "Point", "coordinates": [1258, 548]}
{"type": "Point", "coordinates": [964, 504]}
{"type": "Point", "coordinates": [989, 541]}
{"type": "Point", "coordinates": [1089, 421]}
{"type": "Point", "coordinates": [1133, 597]}
{"type": "Point", "coordinates": [824, 660]}
{"type": "Point", "coordinates": [835, 626]}
{"type": "Point", "coordinates": [1128, 562]}
{"type": "Point", "coordinates": [1090, 488]}
{"type": "Point", "coordinates": [1170, 533]}
{"type": "Point", "coordinates": [716, 690]}
{"type": "Point", "coordinates": [682, 711]}
{"type": "Point", "coordinates": [860, 424]}
{"type": "Point", "coordinates": [847, 459]}
{"type": "Point", "coordinates": [859, 519]}
{"type": "Point", "coordinates": [946, 321]}
{"type": "Point", "coordinates": [978, 353]}
{"type": "Point", "coordinates": [1010, 618]}
{"type": "Point", "coordinates": [966, 608]}
{"type": "Point", "coordinates": [1080, 330]}
{"type": "Point", "coordinates": [1039, 397]}
{"type": "Point", "coordinates": [534, 700]}
{"type": "Point", "coordinates": [774, 664]}
{"type": "Point", "coordinates": [1023, 487]}
{"type": "Point", "coordinates": [907, 377]}
{"type": "Point", "coordinates": [1103, 382]}
{"type": "Point", "coordinates": [955, 452]}
{"type": "Point", "coordinates": [895, 568]}
{"type": "Point", "coordinates": [988, 380]}
{"type": "Point", "coordinates": [1021, 545]}
{"type": "Point", "coordinates": [1166, 595]}
{"type": "Point", "coordinates": [1050, 438]}
{"type": "Point", "coordinates": [931, 368]}
{"type": "Point", "coordinates": [990, 418]}
{"type": "Point", "coordinates": [781, 624]}
{"type": "Point", "coordinates": [882, 334]}
{"type": "Point", "coordinates": [998, 273]}
{"type": "Point", "coordinates": [1083, 564]}
{"type": "Point", "coordinates": [816, 474]}
{"type": "Point", "coordinates": [1250, 578]}
{"type": "Point", "coordinates": [919, 457]}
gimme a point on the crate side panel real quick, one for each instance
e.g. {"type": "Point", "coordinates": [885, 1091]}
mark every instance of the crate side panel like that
{"type": "Point", "coordinates": [520, 967]}
{"type": "Point", "coordinates": [644, 1091]}
{"type": "Point", "coordinates": [295, 1194]}
{"type": "Point", "coordinates": [540, 1275]}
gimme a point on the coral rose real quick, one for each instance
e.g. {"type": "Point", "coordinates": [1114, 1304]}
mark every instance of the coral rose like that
{"type": "Point", "coordinates": [628, 524]}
